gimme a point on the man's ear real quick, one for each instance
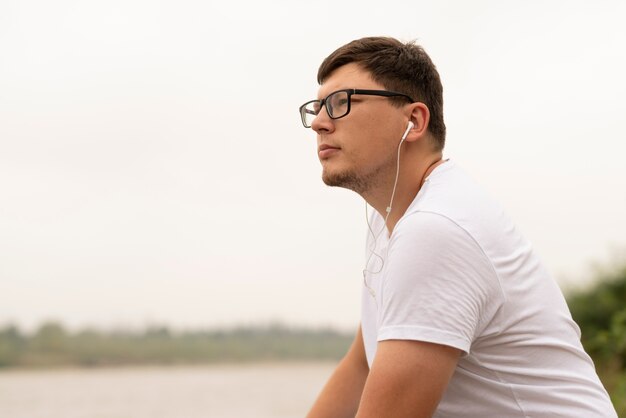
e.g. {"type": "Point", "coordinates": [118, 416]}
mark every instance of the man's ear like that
{"type": "Point", "coordinates": [420, 116]}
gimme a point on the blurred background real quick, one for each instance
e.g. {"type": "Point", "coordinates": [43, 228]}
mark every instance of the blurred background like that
{"type": "Point", "coordinates": [156, 182]}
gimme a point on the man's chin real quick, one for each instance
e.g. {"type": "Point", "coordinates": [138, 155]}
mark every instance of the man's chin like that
{"type": "Point", "coordinates": [347, 180]}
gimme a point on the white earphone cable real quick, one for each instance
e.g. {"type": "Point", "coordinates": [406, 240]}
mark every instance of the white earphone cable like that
{"type": "Point", "coordinates": [372, 249]}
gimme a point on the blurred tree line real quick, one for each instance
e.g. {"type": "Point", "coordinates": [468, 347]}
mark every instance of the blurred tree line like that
{"type": "Point", "coordinates": [599, 310]}
{"type": "Point", "coordinates": [53, 345]}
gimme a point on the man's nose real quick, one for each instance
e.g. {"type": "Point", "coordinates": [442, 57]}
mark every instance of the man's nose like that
{"type": "Point", "coordinates": [323, 122]}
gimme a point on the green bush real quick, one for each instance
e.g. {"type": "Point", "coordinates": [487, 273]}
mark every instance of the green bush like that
{"type": "Point", "coordinates": [600, 311]}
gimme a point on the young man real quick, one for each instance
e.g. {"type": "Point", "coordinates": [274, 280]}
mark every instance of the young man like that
{"type": "Point", "coordinates": [459, 317]}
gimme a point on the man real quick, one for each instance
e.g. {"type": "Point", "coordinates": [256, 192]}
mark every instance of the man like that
{"type": "Point", "coordinates": [459, 317]}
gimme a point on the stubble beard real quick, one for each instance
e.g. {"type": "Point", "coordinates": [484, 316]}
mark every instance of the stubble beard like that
{"type": "Point", "coordinates": [360, 183]}
{"type": "Point", "coordinates": [347, 179]}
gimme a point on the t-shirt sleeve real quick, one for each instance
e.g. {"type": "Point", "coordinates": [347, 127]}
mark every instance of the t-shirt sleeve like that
{"type": "Point", "coordinates": [439, 285]}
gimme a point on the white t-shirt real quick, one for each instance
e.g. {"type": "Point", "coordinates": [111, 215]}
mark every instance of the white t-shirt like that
{"type": "Point", "coordinates": [457, 272]}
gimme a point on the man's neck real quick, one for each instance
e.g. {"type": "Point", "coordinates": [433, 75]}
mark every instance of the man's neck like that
{"type": "Point", "coordinates": [410, 181]}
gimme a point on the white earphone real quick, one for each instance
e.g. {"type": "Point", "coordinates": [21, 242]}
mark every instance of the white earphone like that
{"type": "Point", "coordinates": [410, 126]}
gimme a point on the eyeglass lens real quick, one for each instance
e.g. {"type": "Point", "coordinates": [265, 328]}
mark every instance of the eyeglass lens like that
{"type": "Point", "coordinates": [337, 105]}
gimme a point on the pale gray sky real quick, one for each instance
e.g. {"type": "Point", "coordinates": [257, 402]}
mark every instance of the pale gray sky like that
{"type": "Point", "coordinates": [153, 168]}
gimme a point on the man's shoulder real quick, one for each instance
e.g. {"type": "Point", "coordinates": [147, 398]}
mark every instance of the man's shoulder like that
{"type": "Point", "coordinates": [451, 205]}
{"type": "Point", "coordinates": [451, 192]}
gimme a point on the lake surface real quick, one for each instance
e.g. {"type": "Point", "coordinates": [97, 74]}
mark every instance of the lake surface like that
{"type": "Point", "coordinates": [223, 391]}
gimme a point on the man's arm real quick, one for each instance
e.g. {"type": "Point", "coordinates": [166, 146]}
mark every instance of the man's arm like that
{"type": "Point", "coordinates": [408, 379]}
{"type": "Point", "coordinates": [342, 393]}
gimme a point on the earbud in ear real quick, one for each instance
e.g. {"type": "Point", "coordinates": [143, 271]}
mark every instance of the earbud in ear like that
{"type": "Point", "coordinates": [408, 128]}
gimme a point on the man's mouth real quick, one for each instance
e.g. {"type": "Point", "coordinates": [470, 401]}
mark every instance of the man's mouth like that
{"type": "Point", "coordinates": [325, 151]}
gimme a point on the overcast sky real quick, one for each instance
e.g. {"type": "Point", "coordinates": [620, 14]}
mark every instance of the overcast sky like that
{"type": "Point", "coordinates": [153, 169]}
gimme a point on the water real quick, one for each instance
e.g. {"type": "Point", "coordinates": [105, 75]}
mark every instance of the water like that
{"type": "Point", "coordinates": [223, 391]}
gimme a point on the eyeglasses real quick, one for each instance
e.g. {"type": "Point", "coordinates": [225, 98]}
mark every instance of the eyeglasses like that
{"type": "Point", "coordinates": [338, 102]}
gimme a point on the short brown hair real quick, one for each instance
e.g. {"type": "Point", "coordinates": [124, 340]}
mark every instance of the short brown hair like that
{"type": "Point", "coordinates": [401, 67]}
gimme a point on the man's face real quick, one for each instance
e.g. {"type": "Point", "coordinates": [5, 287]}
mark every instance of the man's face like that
{"type": "Point", "coordinates": [358, 151]}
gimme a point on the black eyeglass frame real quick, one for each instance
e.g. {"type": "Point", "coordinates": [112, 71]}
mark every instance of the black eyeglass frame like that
{"type": "Point", "coordinates": [324, 103]}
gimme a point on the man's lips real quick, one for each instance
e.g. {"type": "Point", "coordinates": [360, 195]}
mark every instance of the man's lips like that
{"type": "Point", "coordinates": [325, 151]}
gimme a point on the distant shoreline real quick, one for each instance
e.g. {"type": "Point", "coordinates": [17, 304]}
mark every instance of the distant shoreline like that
{"type": "Point", "coordinates": [51, 346]}
{"type": "Point", "coordinates": [276, 364]}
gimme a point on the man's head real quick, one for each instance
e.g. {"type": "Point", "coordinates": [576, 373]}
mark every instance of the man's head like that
{"type": "Point", "coordinates": [370, 89]}
{"type": "Point", "coordinates": [403, 68]}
